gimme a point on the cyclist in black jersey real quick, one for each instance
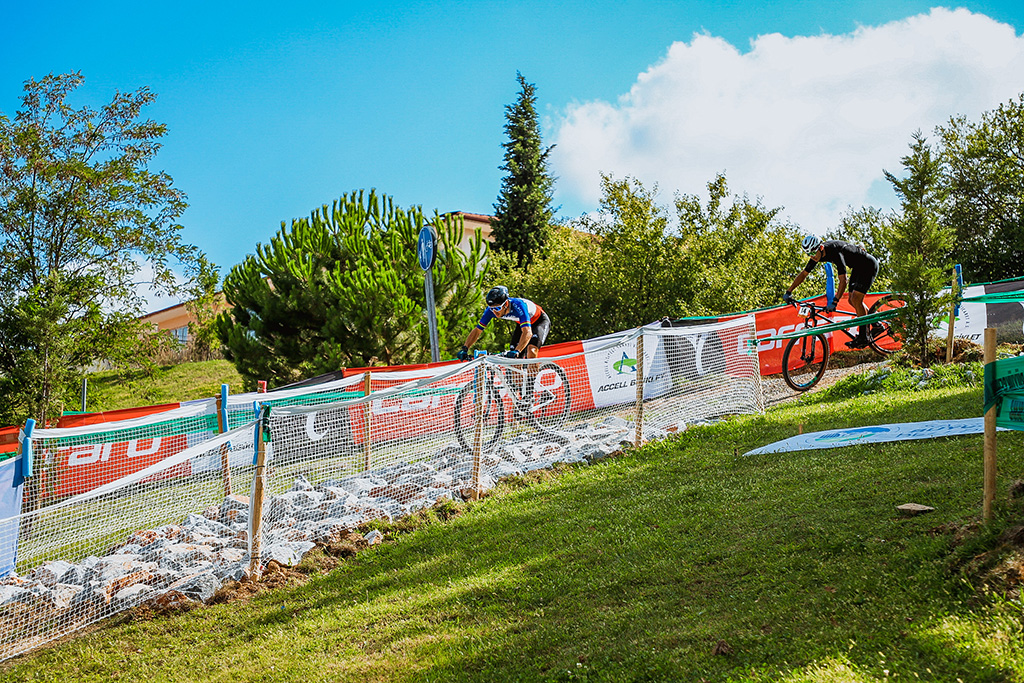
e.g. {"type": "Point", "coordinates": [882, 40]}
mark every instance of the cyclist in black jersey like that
{"type": "Point", "coordinates": [863, 269]}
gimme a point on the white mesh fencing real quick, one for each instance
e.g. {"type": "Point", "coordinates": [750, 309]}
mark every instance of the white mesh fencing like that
{"type": "Point", "coordinates": [153, 511]}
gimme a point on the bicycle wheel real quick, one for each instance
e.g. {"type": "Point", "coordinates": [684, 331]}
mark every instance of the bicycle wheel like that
{"type": "Point", "coordinates": [551, 396]}
{"type": "Point", "coordinates": [493, 417]}
{"type": "Point", "coordinates": [885, 342]}
{"type": "Point", "coordinates": [804, 361]}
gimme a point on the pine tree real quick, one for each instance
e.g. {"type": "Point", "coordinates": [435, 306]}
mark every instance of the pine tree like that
{"type": "Point", "coordinates": [523, 213]}
{"type": "Point", "coordinates": [344, 288]}
{"type": "Point", "coordinates": [919, 244]}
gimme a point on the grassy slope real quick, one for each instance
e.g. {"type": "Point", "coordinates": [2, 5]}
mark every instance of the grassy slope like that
{"type": "Point", "coordinates": [634, 569]}
{"type": "Point", "coordinates": [170, 384]}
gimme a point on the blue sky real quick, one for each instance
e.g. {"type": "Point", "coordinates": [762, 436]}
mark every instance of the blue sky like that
{"type": "Point", "coordinates": [276, 108]}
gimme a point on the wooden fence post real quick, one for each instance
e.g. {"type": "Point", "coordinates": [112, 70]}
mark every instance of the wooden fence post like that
{"type": "Point", "coordinates": [990, 433]}
{"type": "Point", "coordinates": [368, 426]}
{"type": "Point", "coordinates": [478, 435]}
{"type": "Point", "coordinates": [639, 419]}
{"type": "Point", "coordinates": [952, 319]}
{"type": "Point", "coordinates": [256, 505]}
{"type": "Point", "coordinates": [222, 426]}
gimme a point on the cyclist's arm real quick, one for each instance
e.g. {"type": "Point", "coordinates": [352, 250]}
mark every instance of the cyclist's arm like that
{"type": "Point", "coordinates": [796, 281]}
{"type": "Point", "coordinates": [525, 335]}
{"type": "Point", "coordinates": [474, 334]}
{"type": "Point", "coordinates": [802, 275]}
{"type": "Point", "coordinates": [841, 287]}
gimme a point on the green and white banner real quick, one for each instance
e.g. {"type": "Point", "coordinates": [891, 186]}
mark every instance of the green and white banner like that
{"type": "Point", "coordinates": [1004, 388]}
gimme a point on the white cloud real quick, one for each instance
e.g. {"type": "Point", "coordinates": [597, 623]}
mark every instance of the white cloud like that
{"type": "Point", "coordinates": [807, 123]}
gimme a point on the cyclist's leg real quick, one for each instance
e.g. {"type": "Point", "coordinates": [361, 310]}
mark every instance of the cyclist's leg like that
{"type": "Point", "coordinates": [541, 328]}
{"type": "Point", "coordinates": [540, 334]}
{"type": "Point", "coordinates": [860, 284]}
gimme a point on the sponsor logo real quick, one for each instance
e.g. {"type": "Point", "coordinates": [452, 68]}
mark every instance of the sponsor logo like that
{"type": "Point", "coordinates": [1016, 411]}
{"type": "Point", "coordinates": [94, 453]}
{"type": "Point", "coordinates": [852, 434]}
{"type": "Point", "coordinates": [625, 364]}
{"type": "Point", "coordinates": [620, 370]}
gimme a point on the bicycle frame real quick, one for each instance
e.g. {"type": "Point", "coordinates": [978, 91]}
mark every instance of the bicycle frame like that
{"type": "Point", "coordinates": [816, 314]}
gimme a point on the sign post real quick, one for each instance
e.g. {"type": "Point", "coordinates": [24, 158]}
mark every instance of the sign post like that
{"type": "Point", "coordinates": [427, 250]}
{"type": "Point", "coordinates": [1004, 407]}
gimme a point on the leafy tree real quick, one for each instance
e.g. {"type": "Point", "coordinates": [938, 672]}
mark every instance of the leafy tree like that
{"type": "Point", "coordinates": [920, 245]}
{"type": "Point", "coordinates": [741, 255]}
{"type": "Point", "coordinates": [630, 265]}
{"type": "Point", "coordinates": [80, 210]}
{"type": "Point", "coordinates": [868, 227]}
{"type": "Point", "coordinates": [202, 329]}
{"type": "Point", "coordinates": [984, 174]}
{"type": "Point", "coordinates": [344, 288]}
{"type": "Point", "coordinates": [606, 272]}
{"type": "Point", "coordinates": [522, 214]}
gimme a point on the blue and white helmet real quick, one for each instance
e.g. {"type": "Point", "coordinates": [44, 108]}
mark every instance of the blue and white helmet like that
{"type": "Point", "coordinates": [811, 244]}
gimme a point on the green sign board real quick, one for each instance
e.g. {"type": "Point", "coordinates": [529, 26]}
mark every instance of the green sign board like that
{"type": "Point", "coordinates": [1004, 388]}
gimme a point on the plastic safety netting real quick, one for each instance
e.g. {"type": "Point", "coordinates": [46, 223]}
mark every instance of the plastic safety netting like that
{"type": "Point", "coordinates": [168, 507]}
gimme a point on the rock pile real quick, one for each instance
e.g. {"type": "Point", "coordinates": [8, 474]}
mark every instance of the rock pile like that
{"type": "Point", "coordinates": [191, 560]}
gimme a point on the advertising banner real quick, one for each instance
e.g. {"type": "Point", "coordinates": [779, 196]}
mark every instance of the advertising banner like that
{"type": "Point", "coordinates": [10, 507]}
{"type": "Point", "coordinates": [71, 470]}
{"type": "Point", "coordinates": [612, 370]}
{"type": "Point", "coordinates": [1004, 388]}
{"type": "Point", "coordinates": [836, 438]}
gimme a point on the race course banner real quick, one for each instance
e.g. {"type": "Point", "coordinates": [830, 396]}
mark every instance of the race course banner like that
{"type": "Point", "coordinates": [836, 438]}
{"type": "Point", "coordinates": [1004, 388]}
{"type": "Point", "coordinates": [10, 507]}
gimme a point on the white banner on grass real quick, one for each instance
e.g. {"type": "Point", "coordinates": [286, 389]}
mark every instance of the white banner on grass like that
{"type": "Point", "coordinates": [835, 438]}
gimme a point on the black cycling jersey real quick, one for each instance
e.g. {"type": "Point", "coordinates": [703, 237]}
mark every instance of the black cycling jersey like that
{"type": "Point", "coordinates": [845, 255]}
{"type": "Point", "coordinates": [863, 266]}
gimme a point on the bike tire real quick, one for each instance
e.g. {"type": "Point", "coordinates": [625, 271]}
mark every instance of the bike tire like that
{"type": "Point", "coordinates": [887, 342]}
{"type": "Point", "coordinates": [804, 361]}
{"type": "Point", "coordinates": [552, 396]}
{"type": "Point", "coordinates": [465, 417]}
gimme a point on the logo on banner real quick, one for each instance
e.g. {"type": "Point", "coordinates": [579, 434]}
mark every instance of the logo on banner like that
{"type": "Point", "coordinates": [851, 435]}
{"type": "Point", "coordinates": [626, 364]}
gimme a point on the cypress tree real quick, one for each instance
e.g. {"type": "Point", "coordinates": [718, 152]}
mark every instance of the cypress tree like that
{"type": "Point", "coordinates": [523, 213]}
{"type": "Point", "coordinates": [919, 245]}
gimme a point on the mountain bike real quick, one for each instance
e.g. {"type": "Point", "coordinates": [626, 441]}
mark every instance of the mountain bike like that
{"type": "Point", "coordinates": [805, 358]}
{"type": "Point", "coordinates": [534, 394]}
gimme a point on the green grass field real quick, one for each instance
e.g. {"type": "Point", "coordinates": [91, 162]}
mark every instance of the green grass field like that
{"type": "Point", "coordinates": [681, 561]}
{"type": "Point", "coordinates": [112, 390]}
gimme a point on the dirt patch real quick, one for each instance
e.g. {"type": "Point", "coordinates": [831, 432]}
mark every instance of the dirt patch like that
{"type": "Point", "coordinates": [776, 391]}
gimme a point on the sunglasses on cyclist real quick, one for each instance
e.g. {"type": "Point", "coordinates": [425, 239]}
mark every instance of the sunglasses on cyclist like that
{"type": "Point", "coordinates": [496, 309]}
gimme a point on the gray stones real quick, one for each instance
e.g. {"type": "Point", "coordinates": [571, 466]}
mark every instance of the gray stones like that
{"type": "Point", "coordinates": [189, 561]}
{"type": "Point", "coordinates": [288, 554]}
{"type": "Point", "coordinates": [198, 587]}
{"type": "Point", "coordinates": [52, 573]}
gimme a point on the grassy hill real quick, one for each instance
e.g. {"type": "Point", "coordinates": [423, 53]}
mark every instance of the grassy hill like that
{"type": "Point", "coordinates": [680, 561]}
{"type": "Point", "coordinates": [112, 390]}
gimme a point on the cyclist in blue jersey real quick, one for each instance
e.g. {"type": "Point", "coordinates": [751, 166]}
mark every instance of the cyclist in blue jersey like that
{"type": "Point", "coordinates": [532, 324]}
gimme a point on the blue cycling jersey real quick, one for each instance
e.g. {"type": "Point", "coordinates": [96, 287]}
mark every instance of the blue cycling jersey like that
{"type": "Point", "coordinates": [523, 311]}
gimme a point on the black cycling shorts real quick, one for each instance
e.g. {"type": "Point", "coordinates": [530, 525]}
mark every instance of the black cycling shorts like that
{"type": "Point", "coordinates": [540, 332]}
{"type": "Point", "coordinates": [862, 278]}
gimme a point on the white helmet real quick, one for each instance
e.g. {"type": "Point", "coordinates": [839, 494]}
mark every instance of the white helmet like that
{"type": "Point", "coordinates": [811, 244]}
